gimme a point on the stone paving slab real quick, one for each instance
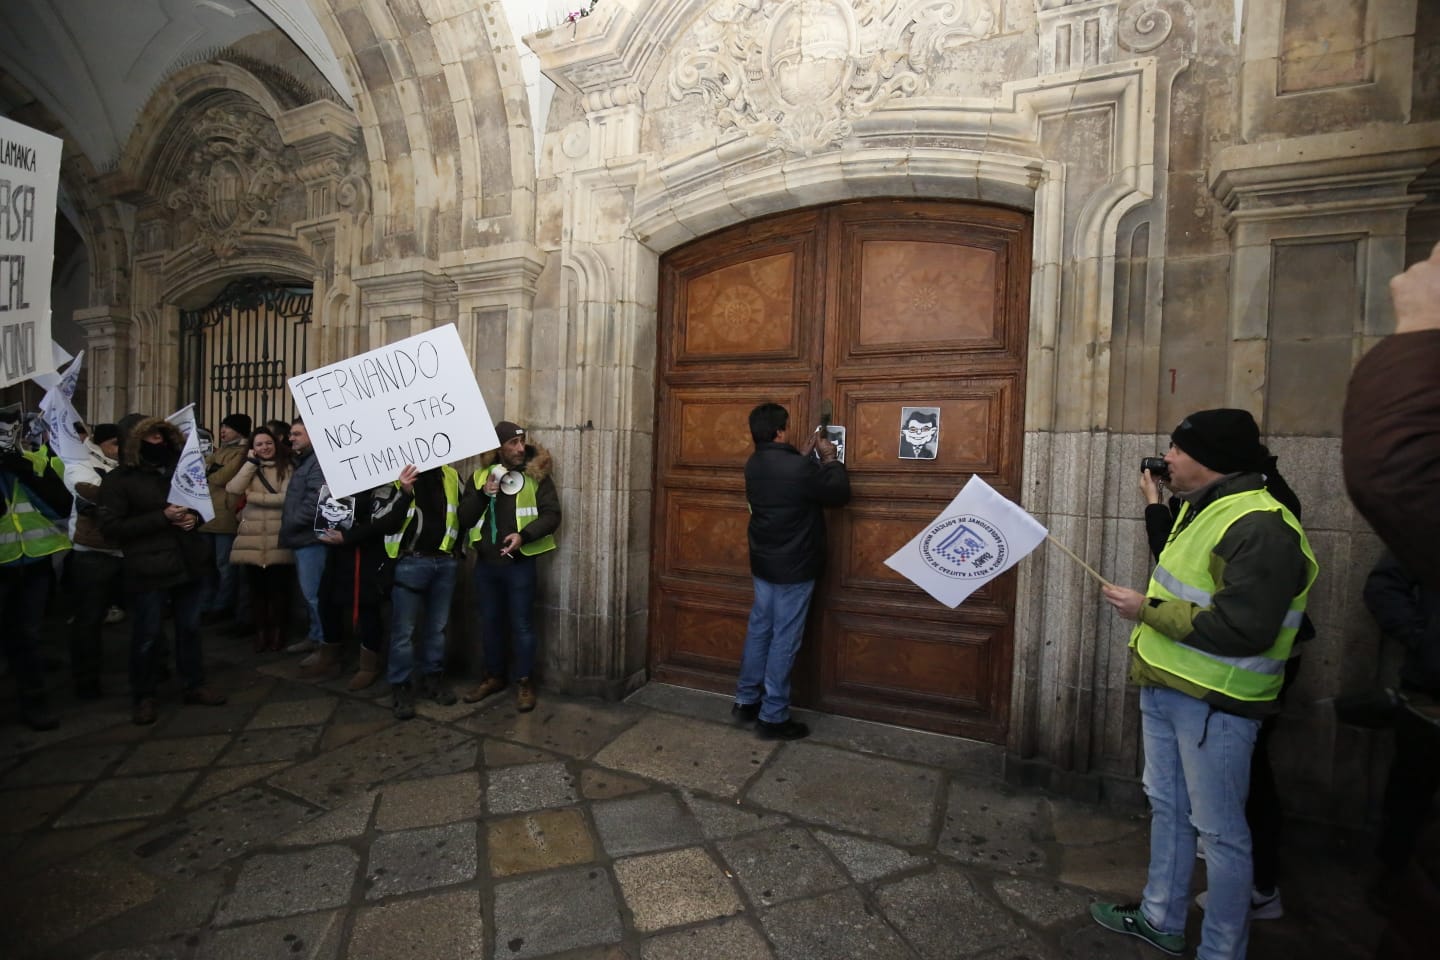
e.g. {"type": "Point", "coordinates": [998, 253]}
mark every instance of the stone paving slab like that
{"type": "Point", "coordinates": [458, 760]}
{"type": "Point", "coordinates": [202, 721]}
{"type": "Point", "coordinates": [994, 827]}
{"type": "Point", "coordinates": [37, 852]}
{"type": "Point", "coordinates": [573, 729]}
{"type": "Point", "coordinates": [313, 936]}
{"type": "Point", "coordinates": [601, 784]}
{"type": "Point", "coordinates": [210, 835]}
{"type": "Point", "coordinates": [712, 758]}
{"type": "Point", "coordinates": [533, 786]}
{"type": "Point", "coordinates": [440, 926]}
{"type": "Point", "coordinates": [330, 779]}
{"type": "Point", "coordinates": [15, 740]}
{"type": "Point", "coordinates": [293, 713]}
{"type": "Point", "coordinates": [773, 867]}
{"type": "Point", "coordinates": [348, 822]}
{"type": "Point", "coordinates": [1042, 902]}
{"type": "Point", "coordinates": [499, 753]}
{"type": "Point", "coordinates": [225, 779]}
{"type": "Point", "coordinates": [125, 798]}
{"type": "Point", "coordinates": [942, 915]}
{"type": "Point", "coordinates": [836, 926]}
{"type": "Point", "coordinates": [22, 810]}
{"type": "Point", "coordinates": [539, 841]}
{"type": "Point", "coordinates": [165, 756]}
{"type": "Point", "coordinates": [552, 912]}
{"type": "Point", "coordinates": [675, 888]}
{"type": "Point", "coordinates": [270, 746]}
{"type": "Point", "coordinates": [643, 824]}
{"type": "Point", "coordinates": [732, 938]}
{"type": "Point", "coordinates": [414, 860]}
{"type": "Point", "coordinates": [722, 818]}
{"type": "Point", "coordinates": [283, 884]}
{"type": "Point", "coordinates": [62, 765]}
{"type": "Point", "coordinates": [62, 902]}
{"type": "Point", "coordinates": [170, 919]}
{"type": "Point", "coordinates": [426, 803]}
{"type": "Point", "coordinates": [867, 860]}
{"type": "Point", "coordinates": [881, 798]}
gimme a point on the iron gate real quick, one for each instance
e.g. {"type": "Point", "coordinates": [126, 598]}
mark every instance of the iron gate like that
{"type": "Point", "coordinates": [237, 352]}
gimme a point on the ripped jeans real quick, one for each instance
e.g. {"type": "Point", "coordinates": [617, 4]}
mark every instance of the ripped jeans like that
{"type": "Point", "coordinates": [1197, 776]}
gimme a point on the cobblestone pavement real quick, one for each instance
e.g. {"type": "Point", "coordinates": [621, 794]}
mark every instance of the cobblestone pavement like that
{"type": "Point", "coordinates": [302, 821]}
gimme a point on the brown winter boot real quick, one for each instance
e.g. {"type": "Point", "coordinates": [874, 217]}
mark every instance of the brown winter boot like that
{"type": "Point", "coordinates": [325, 666]}
{"type": "Point", "coordinates": [486, 687]}
{"type": "Point", "coordinates": [368, 672]}
{"type": "Point", "coordinates": [525, 696]}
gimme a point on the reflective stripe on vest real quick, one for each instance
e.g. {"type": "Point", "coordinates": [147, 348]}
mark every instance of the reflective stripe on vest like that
{"type": "Point", "coordinates": [451, 480]}
{"type": "Point", "coordinates": [25, 530]}
{"type": "Point", "coordinates": [1183, 573]}
{"type": "Point", "coordinates": [526, 512]}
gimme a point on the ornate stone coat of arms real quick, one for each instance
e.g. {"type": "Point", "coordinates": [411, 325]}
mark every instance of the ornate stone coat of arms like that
{"type": "Point", "coordinates": [800, 72]}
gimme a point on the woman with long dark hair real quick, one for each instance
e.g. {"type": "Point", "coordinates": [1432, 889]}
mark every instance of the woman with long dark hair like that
{"type": "Point", "coordinates": [270, 569]}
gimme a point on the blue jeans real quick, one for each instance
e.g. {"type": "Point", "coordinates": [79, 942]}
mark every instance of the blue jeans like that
{"type": "Point", "coordinates": [505, 599]}
{"type": "Point", "coordinates": [420, 603]}
{"type": "Point", "coordinates": [777, 624]}
{"type": "Point", "coordinates": [147, 614]}
{"type": "Point", "coordinates": [310, 567]}
{"type": "Point", "coordinates": [1197, 775]}
{"type": "Point", "coordinates": [221, 593]}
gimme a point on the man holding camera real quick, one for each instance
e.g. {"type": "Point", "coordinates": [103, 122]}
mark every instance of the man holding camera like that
{"type": "Point", "coordinates": [519, 511]}
{"type": "Point", "coordinates": [1213, 632]}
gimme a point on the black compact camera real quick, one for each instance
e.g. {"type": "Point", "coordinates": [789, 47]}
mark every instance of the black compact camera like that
{"type": "Point", "coordinates": [1157, 466]}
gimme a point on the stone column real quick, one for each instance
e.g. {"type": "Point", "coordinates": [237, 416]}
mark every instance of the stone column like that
{"type": "Point", "coordinates": [107, 361]}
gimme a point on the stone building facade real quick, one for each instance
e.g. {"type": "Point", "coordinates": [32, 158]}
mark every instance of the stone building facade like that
{"type": "Point", "coordinates": [1210, 196]}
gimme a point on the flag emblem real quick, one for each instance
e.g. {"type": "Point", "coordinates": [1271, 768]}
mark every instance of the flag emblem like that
{"type": "Point", "coordinates": [966, 547]}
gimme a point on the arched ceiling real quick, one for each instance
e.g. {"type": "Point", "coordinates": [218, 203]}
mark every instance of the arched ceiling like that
{"type": "Point", "coordinates": [94, 63]}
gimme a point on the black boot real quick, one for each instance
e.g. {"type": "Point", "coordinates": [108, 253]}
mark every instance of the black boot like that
{"type": "Point", "coordinates": [404, 697]}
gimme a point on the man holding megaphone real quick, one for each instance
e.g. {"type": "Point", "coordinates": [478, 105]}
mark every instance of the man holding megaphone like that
{"type": "Point", "coordinates": [519, 512]}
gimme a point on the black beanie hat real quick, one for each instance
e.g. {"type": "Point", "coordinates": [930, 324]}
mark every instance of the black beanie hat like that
{"type": "Point", "coordinates": [506, 430]}
{"type": "Point", "coordinates": [238, 422]}
{"type": "Point", "coordinates": [1225, 440]}
{"type": "Point", "coordinates": [104, 431]}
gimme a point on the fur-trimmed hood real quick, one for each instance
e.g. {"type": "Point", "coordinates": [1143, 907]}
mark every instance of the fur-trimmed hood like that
{"type": "Point", "coordinates": [130, 452]}
{"type": "Point", "coordinates": [537, 461]}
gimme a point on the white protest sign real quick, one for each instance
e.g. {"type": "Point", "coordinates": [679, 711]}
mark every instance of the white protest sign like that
{"type": "Point", "coordinates": [976, 538]}
{"type": "Point", "coordinates": [29, 183]}
{"type": "Point", "coordinates": [60, 416]}
{"type": "Point", "coordinates": [61, 356]}
{"type": "Point", "coordinates": [412, 402]}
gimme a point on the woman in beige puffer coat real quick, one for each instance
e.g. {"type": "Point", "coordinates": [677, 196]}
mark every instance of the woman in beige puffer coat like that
{"type": "Point", "coordinates": [262, 480]}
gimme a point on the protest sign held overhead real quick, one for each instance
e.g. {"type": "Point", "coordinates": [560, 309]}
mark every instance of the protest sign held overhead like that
{"type": "Point", "coordinates": [29, 182]}
{"type": "Point", "coordinates": [60, 417]}
{"type": "Point", "coordinates": [414, 401]}
{"type": "Point", "coordinates": [977, 537]}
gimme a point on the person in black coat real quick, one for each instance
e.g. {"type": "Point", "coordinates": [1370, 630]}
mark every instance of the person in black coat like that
{"type": "Point", "coordinates": [787, 491]}
{"type": "Point", "coordinates": [166, 561]}
{"type": "Point", "coordinates": [1409, 613]}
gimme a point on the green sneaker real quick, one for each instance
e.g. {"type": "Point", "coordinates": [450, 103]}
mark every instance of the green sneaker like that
{"type": "Point", "coordinates": [1127, 918]}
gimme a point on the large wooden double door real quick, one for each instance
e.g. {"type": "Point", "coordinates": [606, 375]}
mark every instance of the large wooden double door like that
{"type": "Point", "coordinates": [874, 306]}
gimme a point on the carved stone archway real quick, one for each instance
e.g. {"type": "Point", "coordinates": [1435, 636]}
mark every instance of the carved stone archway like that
{"type": "Point", "coordinates": [230, 177]}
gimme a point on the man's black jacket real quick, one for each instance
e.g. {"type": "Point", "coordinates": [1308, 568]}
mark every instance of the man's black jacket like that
{"type": "Point", "coordinates": [788, 493]}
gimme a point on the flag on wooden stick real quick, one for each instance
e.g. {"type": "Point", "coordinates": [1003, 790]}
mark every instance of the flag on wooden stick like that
{"type": "Point", "coordinates": [977, 537]}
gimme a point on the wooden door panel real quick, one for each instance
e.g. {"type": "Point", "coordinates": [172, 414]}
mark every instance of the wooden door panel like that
{"type": "Point", "coordinates": [874, 306]}
{"type": "Point", "coordinates": [941, 666]}
{"type": "Point", "coordinates": [705, 536]}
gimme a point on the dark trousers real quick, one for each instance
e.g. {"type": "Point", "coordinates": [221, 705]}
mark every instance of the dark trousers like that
{"type": "Point", "coordinates": [24, 588]}
{"type": "Point", "coordinates": [352, 593]}
{"type": "Point", "coordinates": [272, 590]}
{"type": "Point", "coordinates": [92, 577]}
{"type": "Point", "coordinates": [147, 612]}
{"type": "Point", "coordinates": [1409, 789]}
{"type": "Point", "coordinates": [504, 602]}
{"type": "Point", "coordinates": [1262, 812]}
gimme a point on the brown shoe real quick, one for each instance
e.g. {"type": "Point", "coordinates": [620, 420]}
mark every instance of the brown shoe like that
{"type": "Point", "coordinates": [144, 712]}
{"type": "Point", "coordinates": [325, 666]}
{"type": "Point", "coordinates": [202, 696]}
{"type": "Point", "coordinates": [487, 686]}
{"type": "Point", "coordinates": [368, 672]}
{"type": "Point", "coordinates": [525, 696]}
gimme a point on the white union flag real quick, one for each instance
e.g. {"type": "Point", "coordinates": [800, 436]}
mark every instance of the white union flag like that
{"type": "Point", "coordinates": [976, 538]}
{"type": "Point", "coordinates": [188, 486]}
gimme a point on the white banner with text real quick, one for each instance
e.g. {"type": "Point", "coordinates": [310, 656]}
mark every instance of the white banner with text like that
{"type": "Point", "coordinates": [29, 183]}
{"type": "Point", "coordinates": [413, 401]}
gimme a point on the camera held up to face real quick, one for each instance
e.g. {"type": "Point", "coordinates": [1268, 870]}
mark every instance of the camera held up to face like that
{"type": "Point", "coordinates": [1157, 466]}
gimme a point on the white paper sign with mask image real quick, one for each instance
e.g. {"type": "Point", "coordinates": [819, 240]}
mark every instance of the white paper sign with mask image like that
{"type": "Point", "coordinates": [414, 401]}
